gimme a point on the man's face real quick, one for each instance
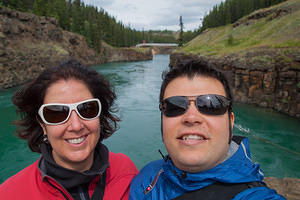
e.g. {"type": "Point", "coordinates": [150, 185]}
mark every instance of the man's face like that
{"type": "Point", "coordinates": [195, 141]}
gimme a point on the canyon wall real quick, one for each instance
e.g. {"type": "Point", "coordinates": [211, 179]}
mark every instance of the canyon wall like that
{"type": "Point", "coordinates": [263, 76]}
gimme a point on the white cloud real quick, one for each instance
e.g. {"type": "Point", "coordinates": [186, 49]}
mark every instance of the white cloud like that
{"type": "Point", "coordinates": [157, 14]}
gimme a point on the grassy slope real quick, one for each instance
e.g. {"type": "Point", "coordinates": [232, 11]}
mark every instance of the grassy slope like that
{"type": "Point", "coordinates": [280, 32]}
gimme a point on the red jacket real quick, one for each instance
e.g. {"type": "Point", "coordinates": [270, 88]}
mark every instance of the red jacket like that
{"type": "Point", "coordinates": [29, 185]}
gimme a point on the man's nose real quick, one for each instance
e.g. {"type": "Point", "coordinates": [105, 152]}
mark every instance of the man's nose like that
{"type": "Point", "coordinates": [192, 115]}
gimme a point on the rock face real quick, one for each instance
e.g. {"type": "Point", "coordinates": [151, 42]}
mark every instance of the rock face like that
{"type": "Point", "coordinates": [29, 44]}
{"type": "Point", "coordinates": [263, 76]}
{"type": "Point", "coordinates": [162, 50]}
{"type": "Point", "coordinates": [287, 187]}
{"type": "Point", "coordinates": [111, 54]}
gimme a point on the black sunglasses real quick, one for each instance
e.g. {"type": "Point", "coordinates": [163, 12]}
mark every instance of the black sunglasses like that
{"type": "Point", "coordinates": [59, 113]}
{"type": "Point", "coordinates": [209, 104]}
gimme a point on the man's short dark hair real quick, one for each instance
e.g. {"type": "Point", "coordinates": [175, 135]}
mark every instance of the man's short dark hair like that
{"type": "Point", "coordinates": [194, 68]}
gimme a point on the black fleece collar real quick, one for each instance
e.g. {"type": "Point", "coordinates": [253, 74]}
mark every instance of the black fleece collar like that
{"type": "Point", "coordinates": [70, 178]}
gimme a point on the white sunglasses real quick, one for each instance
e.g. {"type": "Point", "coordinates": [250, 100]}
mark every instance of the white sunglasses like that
{"type": "Point", "coordinates": [59, 113]}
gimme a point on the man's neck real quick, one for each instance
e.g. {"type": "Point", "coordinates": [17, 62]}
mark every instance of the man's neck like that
{"type": "Point", "coordinates": [233, 147]}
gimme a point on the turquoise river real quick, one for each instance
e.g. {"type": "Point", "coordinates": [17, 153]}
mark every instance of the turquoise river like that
{"type": "Point", "coordinates": [274, 137]}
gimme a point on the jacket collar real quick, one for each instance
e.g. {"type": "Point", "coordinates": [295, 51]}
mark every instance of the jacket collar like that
{"type": "Point", "coordinates": [237, 168]}
{"type": "Point", "coordinates": [70, 178]}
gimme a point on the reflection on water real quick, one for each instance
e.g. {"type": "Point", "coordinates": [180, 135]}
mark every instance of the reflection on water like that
{"type": "Point", "coordinates": [273, 137]}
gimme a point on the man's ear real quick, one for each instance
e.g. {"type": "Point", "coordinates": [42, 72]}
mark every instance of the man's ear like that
{"type": "Point", "coordinates": [231, 123]}
{"type": "Point", "coordinates": [232, 120]}
{"type": "Point", "coordinates": [161, 127]}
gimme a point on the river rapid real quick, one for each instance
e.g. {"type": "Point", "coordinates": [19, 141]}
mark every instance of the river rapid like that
{"type": "Point", "coordinates": [274, 137]}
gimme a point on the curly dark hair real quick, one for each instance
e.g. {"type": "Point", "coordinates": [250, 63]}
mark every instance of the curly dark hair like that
{"type": "Point", "coordinates": [31, 97]}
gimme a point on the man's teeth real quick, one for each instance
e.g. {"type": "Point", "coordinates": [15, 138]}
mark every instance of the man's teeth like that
{"type": "Point", "coordinates": [76, 140]}
{"type": "Point", "coordinates": [192, 137]}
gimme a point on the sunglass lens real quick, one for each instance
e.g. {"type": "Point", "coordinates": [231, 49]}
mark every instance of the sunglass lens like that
{"type": "Point", "coordinates": [88, 110]}
{"type": "Point", "coordinates": [212, 104]}
{"type": "Point", "coordinates": [175, 106]}
{"type": "Point", "coordinates": [55, 113]}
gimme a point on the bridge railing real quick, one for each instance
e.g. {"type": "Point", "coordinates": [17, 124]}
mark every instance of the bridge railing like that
{"type": "Point", "coordinates": [157, 45]}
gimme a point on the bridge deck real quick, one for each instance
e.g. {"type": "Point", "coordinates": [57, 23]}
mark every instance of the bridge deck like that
{"type": "Point", "coordinates": [157, 45]}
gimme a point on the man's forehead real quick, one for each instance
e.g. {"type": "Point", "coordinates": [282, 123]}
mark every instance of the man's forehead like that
{"type": "Point", "coordinates": [193, 86]}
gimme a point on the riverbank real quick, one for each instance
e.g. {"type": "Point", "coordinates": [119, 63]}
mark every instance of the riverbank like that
{"type": "Point", "coordinates": [29, 44]}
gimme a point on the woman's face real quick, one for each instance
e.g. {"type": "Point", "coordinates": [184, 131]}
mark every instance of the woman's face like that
{"type": "Point", "coordinates": [74, 141]}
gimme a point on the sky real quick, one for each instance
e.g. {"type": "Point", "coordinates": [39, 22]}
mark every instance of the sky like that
{"type": "Point", "coordinates": [156, 14]}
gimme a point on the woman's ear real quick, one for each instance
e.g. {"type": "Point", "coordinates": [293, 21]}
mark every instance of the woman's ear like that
{"type": "Point", "coordinates": [42, 125]}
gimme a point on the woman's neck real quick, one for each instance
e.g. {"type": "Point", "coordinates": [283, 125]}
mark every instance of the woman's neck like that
{"type": "Point", "coordinates": [75, 166]}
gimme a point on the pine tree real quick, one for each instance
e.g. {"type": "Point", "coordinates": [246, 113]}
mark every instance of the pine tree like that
{"type": "Point", "coordinates": [63, 14]}
{"type": "Point", "coordinates": [77, 25]}
{"type": "Point", "coordinates": [180, 39]}
{"type": "Point", "coordinates": [40, 7]}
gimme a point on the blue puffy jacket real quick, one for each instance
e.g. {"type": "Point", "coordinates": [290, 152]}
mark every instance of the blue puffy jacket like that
{"type": "Point", "coordinates": [162, 180]}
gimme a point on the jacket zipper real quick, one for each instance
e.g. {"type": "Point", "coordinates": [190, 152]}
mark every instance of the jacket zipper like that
{"type": "Point", "coordinates": [67, 198]}
{"type": "Point", "coordinates": [81, 193]}
{"type": "Point", "coordinates": [153, 183]}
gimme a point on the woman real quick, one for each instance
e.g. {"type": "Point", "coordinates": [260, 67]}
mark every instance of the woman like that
{"type": "Point", "coordinates": [66, 112]}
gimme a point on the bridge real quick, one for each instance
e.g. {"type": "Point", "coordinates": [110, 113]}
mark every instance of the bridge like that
{"type": "Point", "coordinates": [157, 45]}
{"type": "Point", "coordinates": [159, 48]}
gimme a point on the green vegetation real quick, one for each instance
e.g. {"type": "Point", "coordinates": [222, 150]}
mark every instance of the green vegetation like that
{"type": "Point", "coordinates": [262, 58]}
{"type": "Point", "coordinates": [20, 54]}
{"type": "Point", "coordinates": [60, 50]}
{"type": "Point", "coordinates": [282, 31]}
{"type": "Point", "coordinates": [230, 40]}
{"type": "Point", "coordinates": [230, 11]}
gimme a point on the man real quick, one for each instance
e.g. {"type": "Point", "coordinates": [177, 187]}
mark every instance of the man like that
{"type": "Point", "coordinates": [205, 160]}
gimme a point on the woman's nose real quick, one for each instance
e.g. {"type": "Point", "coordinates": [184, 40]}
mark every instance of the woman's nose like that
{"type": "Point", "coordinates": [75, 122]}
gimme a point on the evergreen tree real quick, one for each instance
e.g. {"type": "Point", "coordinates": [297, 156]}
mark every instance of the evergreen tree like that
{"type": "Point", "coordinates": [227, 9]}
{"type": "Point", "coordinates": [180, 39]}
{"type": "Point", "coordinates": [22, 5]}
{"type": "Point", "coordinates": [40, 7]}
{"type": "Point", "coordinates": [77, 24]}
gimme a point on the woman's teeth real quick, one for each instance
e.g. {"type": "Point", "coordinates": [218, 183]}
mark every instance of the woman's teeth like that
{"type": "Point", "coordinates": [76, 140]}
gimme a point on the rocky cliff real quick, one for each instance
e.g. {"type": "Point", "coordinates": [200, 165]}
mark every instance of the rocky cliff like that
{"type": "Point", "coordinates": [111, 54]}
{"type": "Point", "coordinates": [262, 77]}
{"type": "Point", "coordinates": [29, 44]}
{"type": "Point", "coordinates": [162, 50]}
{"type": "Point", "coordinates": [261, 52]}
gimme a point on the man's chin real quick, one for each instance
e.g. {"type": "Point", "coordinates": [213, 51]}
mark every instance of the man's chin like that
{"type": "Point", "coordinates": [191, 165]}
